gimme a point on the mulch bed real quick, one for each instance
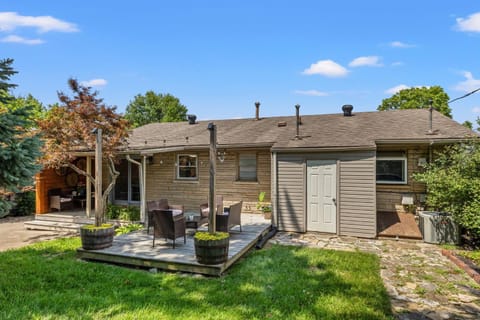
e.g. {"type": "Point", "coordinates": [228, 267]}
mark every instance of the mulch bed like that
{"type": "Point", "coordinates": [463, 263]}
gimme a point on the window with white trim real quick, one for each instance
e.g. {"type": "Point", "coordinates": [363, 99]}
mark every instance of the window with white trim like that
{"type": "Point", "coordinates": [247, 167]}
{"type": "Point", "coordinates": [392, 169]}
{"type": "Point", "coordinates": [187, 167]}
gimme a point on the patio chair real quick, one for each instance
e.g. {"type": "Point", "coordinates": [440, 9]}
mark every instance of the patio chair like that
{"type": "Point", "coordinates": [161, 204]}
{"type": "Point", "coordinates": [204, 209]}
{"type": "Point", "coordinates": [169, 225]}
{"type": "Point", "coordinates": [60, 200]}
{"type": "Point", "coordinates": [230, 218]}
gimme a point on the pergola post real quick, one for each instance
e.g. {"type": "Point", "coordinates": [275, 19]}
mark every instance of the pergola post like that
{"type": "Point", "coordinates": [213, 167]}
{"type": "Point", "coordinates": [88, 187]}
{"type": "Point", "coordinates": [98, 178]}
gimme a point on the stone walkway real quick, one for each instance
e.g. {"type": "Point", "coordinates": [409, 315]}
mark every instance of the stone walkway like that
{"type": "Point", "coordinates": [422, 283]}
{"type": "Point", "coordinates": [14, 235]}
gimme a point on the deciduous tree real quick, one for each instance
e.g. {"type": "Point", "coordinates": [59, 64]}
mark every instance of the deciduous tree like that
{"type": "Point", "coordinates": [153, 107]}
{"type": "Point", "coordinates": [453, 183]}
{"type": "Point", "coordinates": [68, 126]}
{"type": "Point", "coordinates": [418, 98]}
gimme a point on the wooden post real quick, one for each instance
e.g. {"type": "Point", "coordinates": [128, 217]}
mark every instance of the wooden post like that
{"type": "Point", "coordinates": [41, 197]}
{"type": "Point", "coordinates": [213, 167]}
{"type": "Point", "coordinates": [88, 188]}
{"type": "Point", "coordinates": [143, 194]}
{"type": "Point", "coordinates": [98, 179]}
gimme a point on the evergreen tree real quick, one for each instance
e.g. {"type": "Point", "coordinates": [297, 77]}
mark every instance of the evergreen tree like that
{"type": "Point", "coordinates": [19, 146]}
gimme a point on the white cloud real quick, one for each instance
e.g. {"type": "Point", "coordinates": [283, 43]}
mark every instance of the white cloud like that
{"type": "Point", "coordinates": [399, 44]}
{"type": "Point", "coordinates": [326, 68]}
{"type": "Point", "coordinates": [469, 84]}
{"type": "Point", "coordinates": [9, 21]}
{"type": "Point", "coordinates": [397, 64]}
{"type": "Point", "coordinates": [396, 89]}
{"type": "Point", "coordinates": [470, 24]}
{"type": "Point", "coordinates": [369, 61]}
{"type": "Point", "coordinates": [476, 110]}
{"type": "Point", "coordinates": [17, 39]}
{"type": "Point", "coordinates": [94, 83]}
{"type": "Point", "coordinates": [314, 93]}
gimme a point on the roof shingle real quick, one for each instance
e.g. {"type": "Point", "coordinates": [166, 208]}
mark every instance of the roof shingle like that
{"type": "Point", "coordinates": [363, 129]}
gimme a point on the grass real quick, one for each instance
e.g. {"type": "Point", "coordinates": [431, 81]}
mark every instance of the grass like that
{"type": "Point", "coordinates": [473, 255]}
{"type": "Point", "coordinates": [46, 281]}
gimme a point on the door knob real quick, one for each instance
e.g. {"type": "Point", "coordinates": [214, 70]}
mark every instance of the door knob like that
{"type": "Point", "coordinates": [334, 201]}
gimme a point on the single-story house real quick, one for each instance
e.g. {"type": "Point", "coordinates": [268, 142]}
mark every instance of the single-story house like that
{"type": "Point", "coordinates": [328, 173]}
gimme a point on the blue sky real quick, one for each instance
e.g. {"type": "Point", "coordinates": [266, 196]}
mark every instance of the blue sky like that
{"type": "Point", "coordinates": [219, 57]}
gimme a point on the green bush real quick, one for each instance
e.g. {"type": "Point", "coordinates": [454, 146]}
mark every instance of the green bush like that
{"type": "Point", "coordinates": [127, 213]}
{"type": "Point", "coordinates": [113, 211]}
{"type": "Point", "coordinates": [25, 204]}
{"type": "Point", "coordinates": [453, 184]}
{"type": "Point", "coordinates": [130, 213]}
{"type": "Point", "coordinates": [128, 228]}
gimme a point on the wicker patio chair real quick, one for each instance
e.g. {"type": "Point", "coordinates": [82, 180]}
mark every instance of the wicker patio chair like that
{"type": "Point", "coordinates": [230, 218]}
{"type": "Point", "coordinates": [168, 224]}
{"type": "Point", "coordinates": [204, 209]}
{"type": "Point", "coordinates": [161, 204]}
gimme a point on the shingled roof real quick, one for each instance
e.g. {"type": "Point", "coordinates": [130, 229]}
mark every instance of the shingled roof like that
{"type": "Point", "coordinates": [361, 130]}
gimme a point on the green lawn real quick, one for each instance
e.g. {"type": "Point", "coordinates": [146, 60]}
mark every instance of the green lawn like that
{"type": "Point", "coordinates": [473, 255]}
{"type": "Point", "coordinates": [46, 281]}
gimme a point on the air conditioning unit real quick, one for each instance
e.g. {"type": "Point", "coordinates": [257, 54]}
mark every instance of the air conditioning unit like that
{"type": "Point", "coordinates": [438, 227]}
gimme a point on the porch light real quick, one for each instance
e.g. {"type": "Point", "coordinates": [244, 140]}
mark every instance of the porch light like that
{"type": "Point", "coordinates": [221, 156]}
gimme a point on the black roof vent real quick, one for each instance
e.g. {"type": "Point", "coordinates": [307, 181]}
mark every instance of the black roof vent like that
{"type": "Point", "coordinates": [191, 118]}
{"type": "Point", "coordinates": [347, 110]}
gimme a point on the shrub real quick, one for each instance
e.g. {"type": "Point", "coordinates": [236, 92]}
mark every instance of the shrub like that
{"type": "Point", "coordinates": [113, 211]}
{"type": "Point", "coordinates": [128, 228]}
{"type": "Point", "coordinates": [453, 184]}
{"type": "Point", "coordinates": [128, 213]}
{"type": "Point", "coordinates": [25, 204]}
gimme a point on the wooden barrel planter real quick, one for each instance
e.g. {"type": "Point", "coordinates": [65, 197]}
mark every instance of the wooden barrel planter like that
{"type": "Point", "coordinates": [209, 250]}
{"type": "Point", "coordinates": [95, 238]}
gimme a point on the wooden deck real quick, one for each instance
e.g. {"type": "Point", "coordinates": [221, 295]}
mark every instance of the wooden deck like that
{"type": "Point", "coordinates": [398, 225]}
{"type": "Point", "coordinates": [135, 249]}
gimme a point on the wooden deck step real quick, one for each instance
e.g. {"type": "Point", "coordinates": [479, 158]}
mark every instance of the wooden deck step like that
{"type": "Point", "coordinates": [52, 226]}
{"type": "Point", "coordinates": [63, 218]}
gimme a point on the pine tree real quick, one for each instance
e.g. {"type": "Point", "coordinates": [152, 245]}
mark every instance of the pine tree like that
{"type": "Point", "coordinates": [19, 146]}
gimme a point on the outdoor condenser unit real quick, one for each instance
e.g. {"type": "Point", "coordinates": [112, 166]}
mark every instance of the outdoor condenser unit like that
{"type": "Point", "coordinates": [438, 227]}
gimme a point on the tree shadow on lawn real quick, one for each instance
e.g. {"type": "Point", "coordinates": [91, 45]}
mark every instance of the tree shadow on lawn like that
{"type": "Point", "coordinates": [277, 283]}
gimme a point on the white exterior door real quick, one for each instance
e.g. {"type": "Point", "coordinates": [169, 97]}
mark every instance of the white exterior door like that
{"type": "Point", "coordinates": [321, 196]}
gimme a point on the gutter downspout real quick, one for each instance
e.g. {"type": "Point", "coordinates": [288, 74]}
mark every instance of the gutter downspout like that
{"type": "Point", "coordinates": [142, 185]}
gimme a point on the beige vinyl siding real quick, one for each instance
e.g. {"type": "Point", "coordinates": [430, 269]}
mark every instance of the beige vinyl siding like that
{"type": "Point", "coordinates": [356, 212]}
{"type": "Point", "coordinates": [291, 193]}
{"type": "Point", "coordinates": [357, 196]}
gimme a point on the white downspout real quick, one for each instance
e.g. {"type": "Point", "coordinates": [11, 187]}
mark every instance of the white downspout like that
{"type": "Point", "coordinates": [142, 185]}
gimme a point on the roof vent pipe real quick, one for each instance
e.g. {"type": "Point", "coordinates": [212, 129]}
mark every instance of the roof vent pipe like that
{"type": "Point", "coordinates": [347, 110]}
{"type": "Point", "coordinates": [297, 136]}
{"type": "Point", "coordinates": [257, 110]}
{"type": "Point", "coordinates": [430, 131]}
{"type": "Point", "coordinates": [191, 118]}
